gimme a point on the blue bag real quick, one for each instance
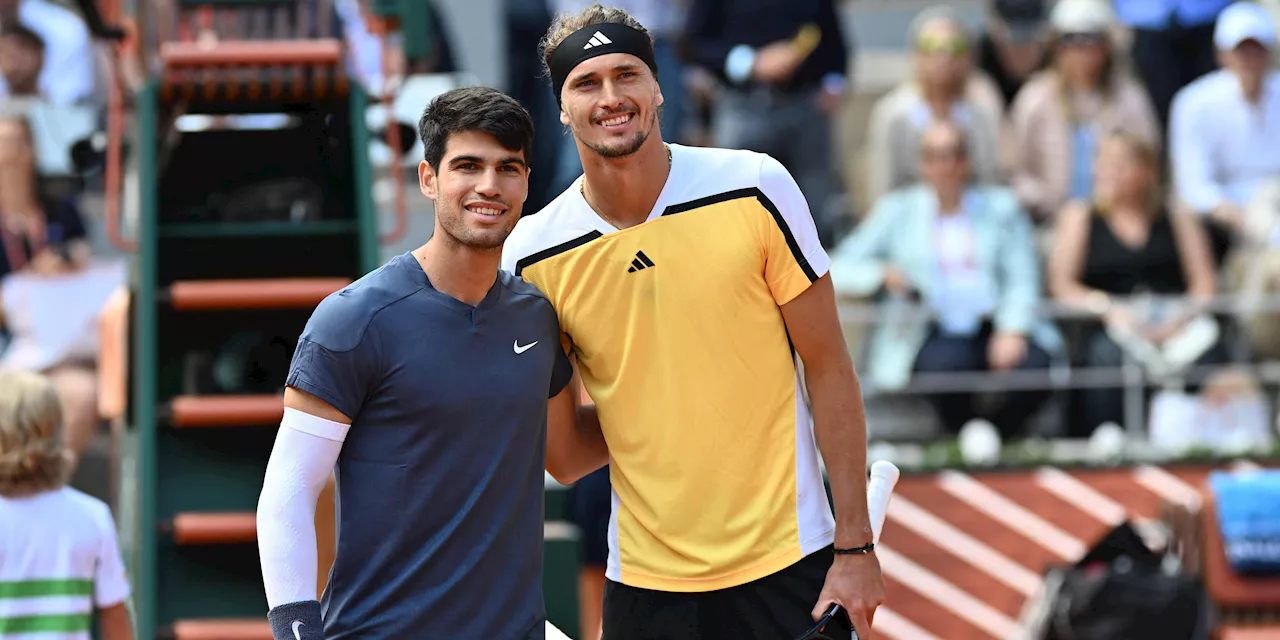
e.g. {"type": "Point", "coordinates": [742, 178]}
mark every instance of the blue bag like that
{"type": "Point", "coordinates": [1248, 510]}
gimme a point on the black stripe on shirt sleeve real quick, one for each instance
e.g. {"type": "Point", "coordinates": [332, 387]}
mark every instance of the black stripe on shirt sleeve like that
{"type": "Point", "coordinates": [752, 192]}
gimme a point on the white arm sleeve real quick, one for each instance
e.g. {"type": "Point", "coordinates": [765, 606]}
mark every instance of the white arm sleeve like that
{"type": "Point", "coordinates": [304, 454]}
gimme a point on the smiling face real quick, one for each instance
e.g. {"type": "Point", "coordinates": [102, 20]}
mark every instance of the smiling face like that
{"type": "Point", "coordinates": [943, 160]}
{"type": "Point", "coordinates": [611, 103]}
{"type": "Point", "coordinates": [1123, 171]}
{"type": "Point", "coordinates": [479, 189]}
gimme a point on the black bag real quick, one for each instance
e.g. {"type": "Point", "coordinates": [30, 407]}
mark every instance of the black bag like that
{"type": "Point", "coordinates": [281, 200]}
{"type": "Point", "coordinates": [1121, 591]}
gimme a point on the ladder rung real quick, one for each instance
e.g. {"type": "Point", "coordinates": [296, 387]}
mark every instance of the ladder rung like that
{"type": "Point", "coordinates": [258, 293]}
{"type": "Point", "coordinates": [225, 411]}
{"type": "Point", "coordinates": [227, 629]}
{"type": "Point", "coordinates": [251, 53]}
{"type": "Point", "coordinates": [214, 528]}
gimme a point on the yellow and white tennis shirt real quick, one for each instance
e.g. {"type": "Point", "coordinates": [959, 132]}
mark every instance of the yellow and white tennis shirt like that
{"type": "Point", "coordinates": [680, 341]}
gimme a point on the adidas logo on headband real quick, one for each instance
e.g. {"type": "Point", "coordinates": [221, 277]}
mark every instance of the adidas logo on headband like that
{"type": "Point", "coordinates": [596, 40]}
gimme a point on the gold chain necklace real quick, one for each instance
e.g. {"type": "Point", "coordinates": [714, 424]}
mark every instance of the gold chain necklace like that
{"type": "Point", "coordinates": [582, 189]}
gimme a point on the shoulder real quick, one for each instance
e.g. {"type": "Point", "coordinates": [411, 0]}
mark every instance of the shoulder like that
{"type": "Point", "coordinates": [999, 200]}
{"type": "Point", "coordinates": [56, 20]}
{"type": "Point", "coordinates": [341, 320]}
{"type": "Point", "coordinates": [89, 508]}
{"type": "Point", "coordinates": [554, 227]}
{"type": "Point", "coordinates": [705, 175]}
{"type": "Point", "coordinates": [894, 103]}
{"type": "Point", "coordinates": [1127, 86]}
{"type": "Point", "coordinates": [1075, 214]}
{"type": "Point", "coordinates": [1039, 89]}
{"type": "Point", "coordinates": [522, 290]}
{"type": "Point", "coordinates": [1203, 91]}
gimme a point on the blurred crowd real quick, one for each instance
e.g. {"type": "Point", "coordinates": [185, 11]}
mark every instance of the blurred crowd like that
{"type": "Point", "coordinates": [1061, 185]}
{"type": "Point", "coordinates": [1077, 185]}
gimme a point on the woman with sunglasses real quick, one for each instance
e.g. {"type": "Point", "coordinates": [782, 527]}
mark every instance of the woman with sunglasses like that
{"type": "Point", "coordinates": [1060, 114]}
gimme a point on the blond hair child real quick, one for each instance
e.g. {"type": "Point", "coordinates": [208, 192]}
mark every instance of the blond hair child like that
{"type": "Point", "coordinates": [59, 558]}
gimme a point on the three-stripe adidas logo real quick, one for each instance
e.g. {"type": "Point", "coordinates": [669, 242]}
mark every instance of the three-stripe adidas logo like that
{"type": "Point", "coordinates": [640, 263]}
{"type": "Point", "coordinates": [596, 40]}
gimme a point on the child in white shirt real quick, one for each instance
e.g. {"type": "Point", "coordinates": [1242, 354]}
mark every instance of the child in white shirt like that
{"type": "Point", "coordinates": [60, 562]}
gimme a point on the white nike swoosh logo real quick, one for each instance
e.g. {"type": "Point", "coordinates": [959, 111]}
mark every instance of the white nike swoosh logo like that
{"type": "Point", "coordinates": [519, 349]}
{"type": "Point", "coordinates": [297, 634]}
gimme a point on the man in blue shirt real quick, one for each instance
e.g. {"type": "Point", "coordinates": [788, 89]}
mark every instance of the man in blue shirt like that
{"type": "Point", "coordinates": [426, 383]}
{"type": "Point", "coordinates": [1172, 44]}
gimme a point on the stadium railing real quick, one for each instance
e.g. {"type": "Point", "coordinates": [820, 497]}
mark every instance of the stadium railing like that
{"type": "Point", "coordinates": [861, 316]}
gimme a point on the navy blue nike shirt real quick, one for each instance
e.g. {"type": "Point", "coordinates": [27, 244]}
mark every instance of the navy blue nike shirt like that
{"type": "Point", "coordinates": [440, 479]}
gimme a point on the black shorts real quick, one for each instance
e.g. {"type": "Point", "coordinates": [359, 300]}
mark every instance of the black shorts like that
{"type": "Point", "coordinates": [588, 504]}
{"type": "Point", "coordinates": [775, 607]}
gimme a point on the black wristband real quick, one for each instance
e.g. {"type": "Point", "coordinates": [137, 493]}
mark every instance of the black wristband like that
{"type": "Point", "coordinates": [857, 551]}
{"type": "Point", "coordinates": [297, 621]}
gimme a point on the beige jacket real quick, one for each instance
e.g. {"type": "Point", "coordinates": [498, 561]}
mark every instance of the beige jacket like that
{"type": "Point", "coordinates": [1041, 137]}
{"type": "Point", "coordinates": [893, 135]}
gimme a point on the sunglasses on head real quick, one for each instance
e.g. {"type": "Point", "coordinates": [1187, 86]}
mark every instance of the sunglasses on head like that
{"type": "Point", "coordinates": [1082, 39]}
{"type": "Point", "coordinates": [952, 45]}
{"type": "Point", "coordinates": [835, 615]}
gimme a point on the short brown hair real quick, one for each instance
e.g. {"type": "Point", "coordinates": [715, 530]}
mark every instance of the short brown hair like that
{"type": "Point", "coordinates": [565, 24]}
{"type": "Point", "coordinates": [33, 458]}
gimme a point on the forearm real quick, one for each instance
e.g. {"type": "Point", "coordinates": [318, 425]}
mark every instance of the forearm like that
{"type": "Point", "coordinates": [1076, 294]}
{"type": "Point", "coordinates": [113, 622]}
{"type": "Point", "coordinates": [840, 426]}
{"type": "Point", "coordinates": [578, 448]}
{"type": "Point", "coordinates": [296, 474]}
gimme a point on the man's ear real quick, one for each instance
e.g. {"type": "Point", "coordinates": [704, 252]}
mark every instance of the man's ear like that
{"type": "Point", "coordinates": [427, 180]}
{"type": "Point", "coordinates": [564, 116]}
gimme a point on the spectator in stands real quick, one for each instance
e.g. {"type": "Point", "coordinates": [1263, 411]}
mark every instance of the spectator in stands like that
{"type": "Point", "coordinates": [69, 74]}
{"type": "Point", "coordinates": [1225, 127]}
{"type": "Point", "coordinates": [21, 59]}
{"type": "Point", "coordinates": [59, 554]}
{"type": "Point", "coordinates": [1014, 44]}
{"type": "Point", "coordinates": [966, 250]}
{"type": "Point", "coordinates": [47, 237]}
{"type": "Point", "coordinates": [1112, 254]}
{"type": "Point", "coordinates": [1059, 115]}
{"type": "Point", "coordinates": [784, 64]}
{"type": "Point", "coordinates": [945, 88]}
{"type": "Point", "coordinates": [1172, 44]}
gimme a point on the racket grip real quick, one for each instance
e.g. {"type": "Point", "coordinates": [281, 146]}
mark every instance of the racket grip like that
{"type": "Point", "coordinates": [884, 476]}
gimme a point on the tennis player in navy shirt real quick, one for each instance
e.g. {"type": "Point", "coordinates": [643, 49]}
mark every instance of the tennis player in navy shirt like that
{"type": "Point", "coordinates": [425, 388]}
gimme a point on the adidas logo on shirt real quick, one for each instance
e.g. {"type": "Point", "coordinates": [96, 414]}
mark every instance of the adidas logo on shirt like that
{"type": "Point", "coordinates": [640, 263]}
{"type": "Point", "coordinates": [596, 40]}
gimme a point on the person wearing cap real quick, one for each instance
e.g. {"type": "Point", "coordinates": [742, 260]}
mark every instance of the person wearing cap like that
{"type": "Point", "coordinates": [1172, 44]}
{"type": "Point", "coordinates": [1064, 110]}
{"type": "Point", "coordinates": [1013, 46]}
{"type": "Point", "coordinates": [1225, 127]}
{"type": "Point", "coordinates": [688, 281]}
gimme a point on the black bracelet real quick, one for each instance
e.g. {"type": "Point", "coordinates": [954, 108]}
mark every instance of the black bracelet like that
{"type": "Point", "coordinates": [859, 551]}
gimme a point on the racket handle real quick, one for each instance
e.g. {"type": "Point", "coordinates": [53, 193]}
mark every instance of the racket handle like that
{"type": "Point", "coordinates": [884, 476]}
